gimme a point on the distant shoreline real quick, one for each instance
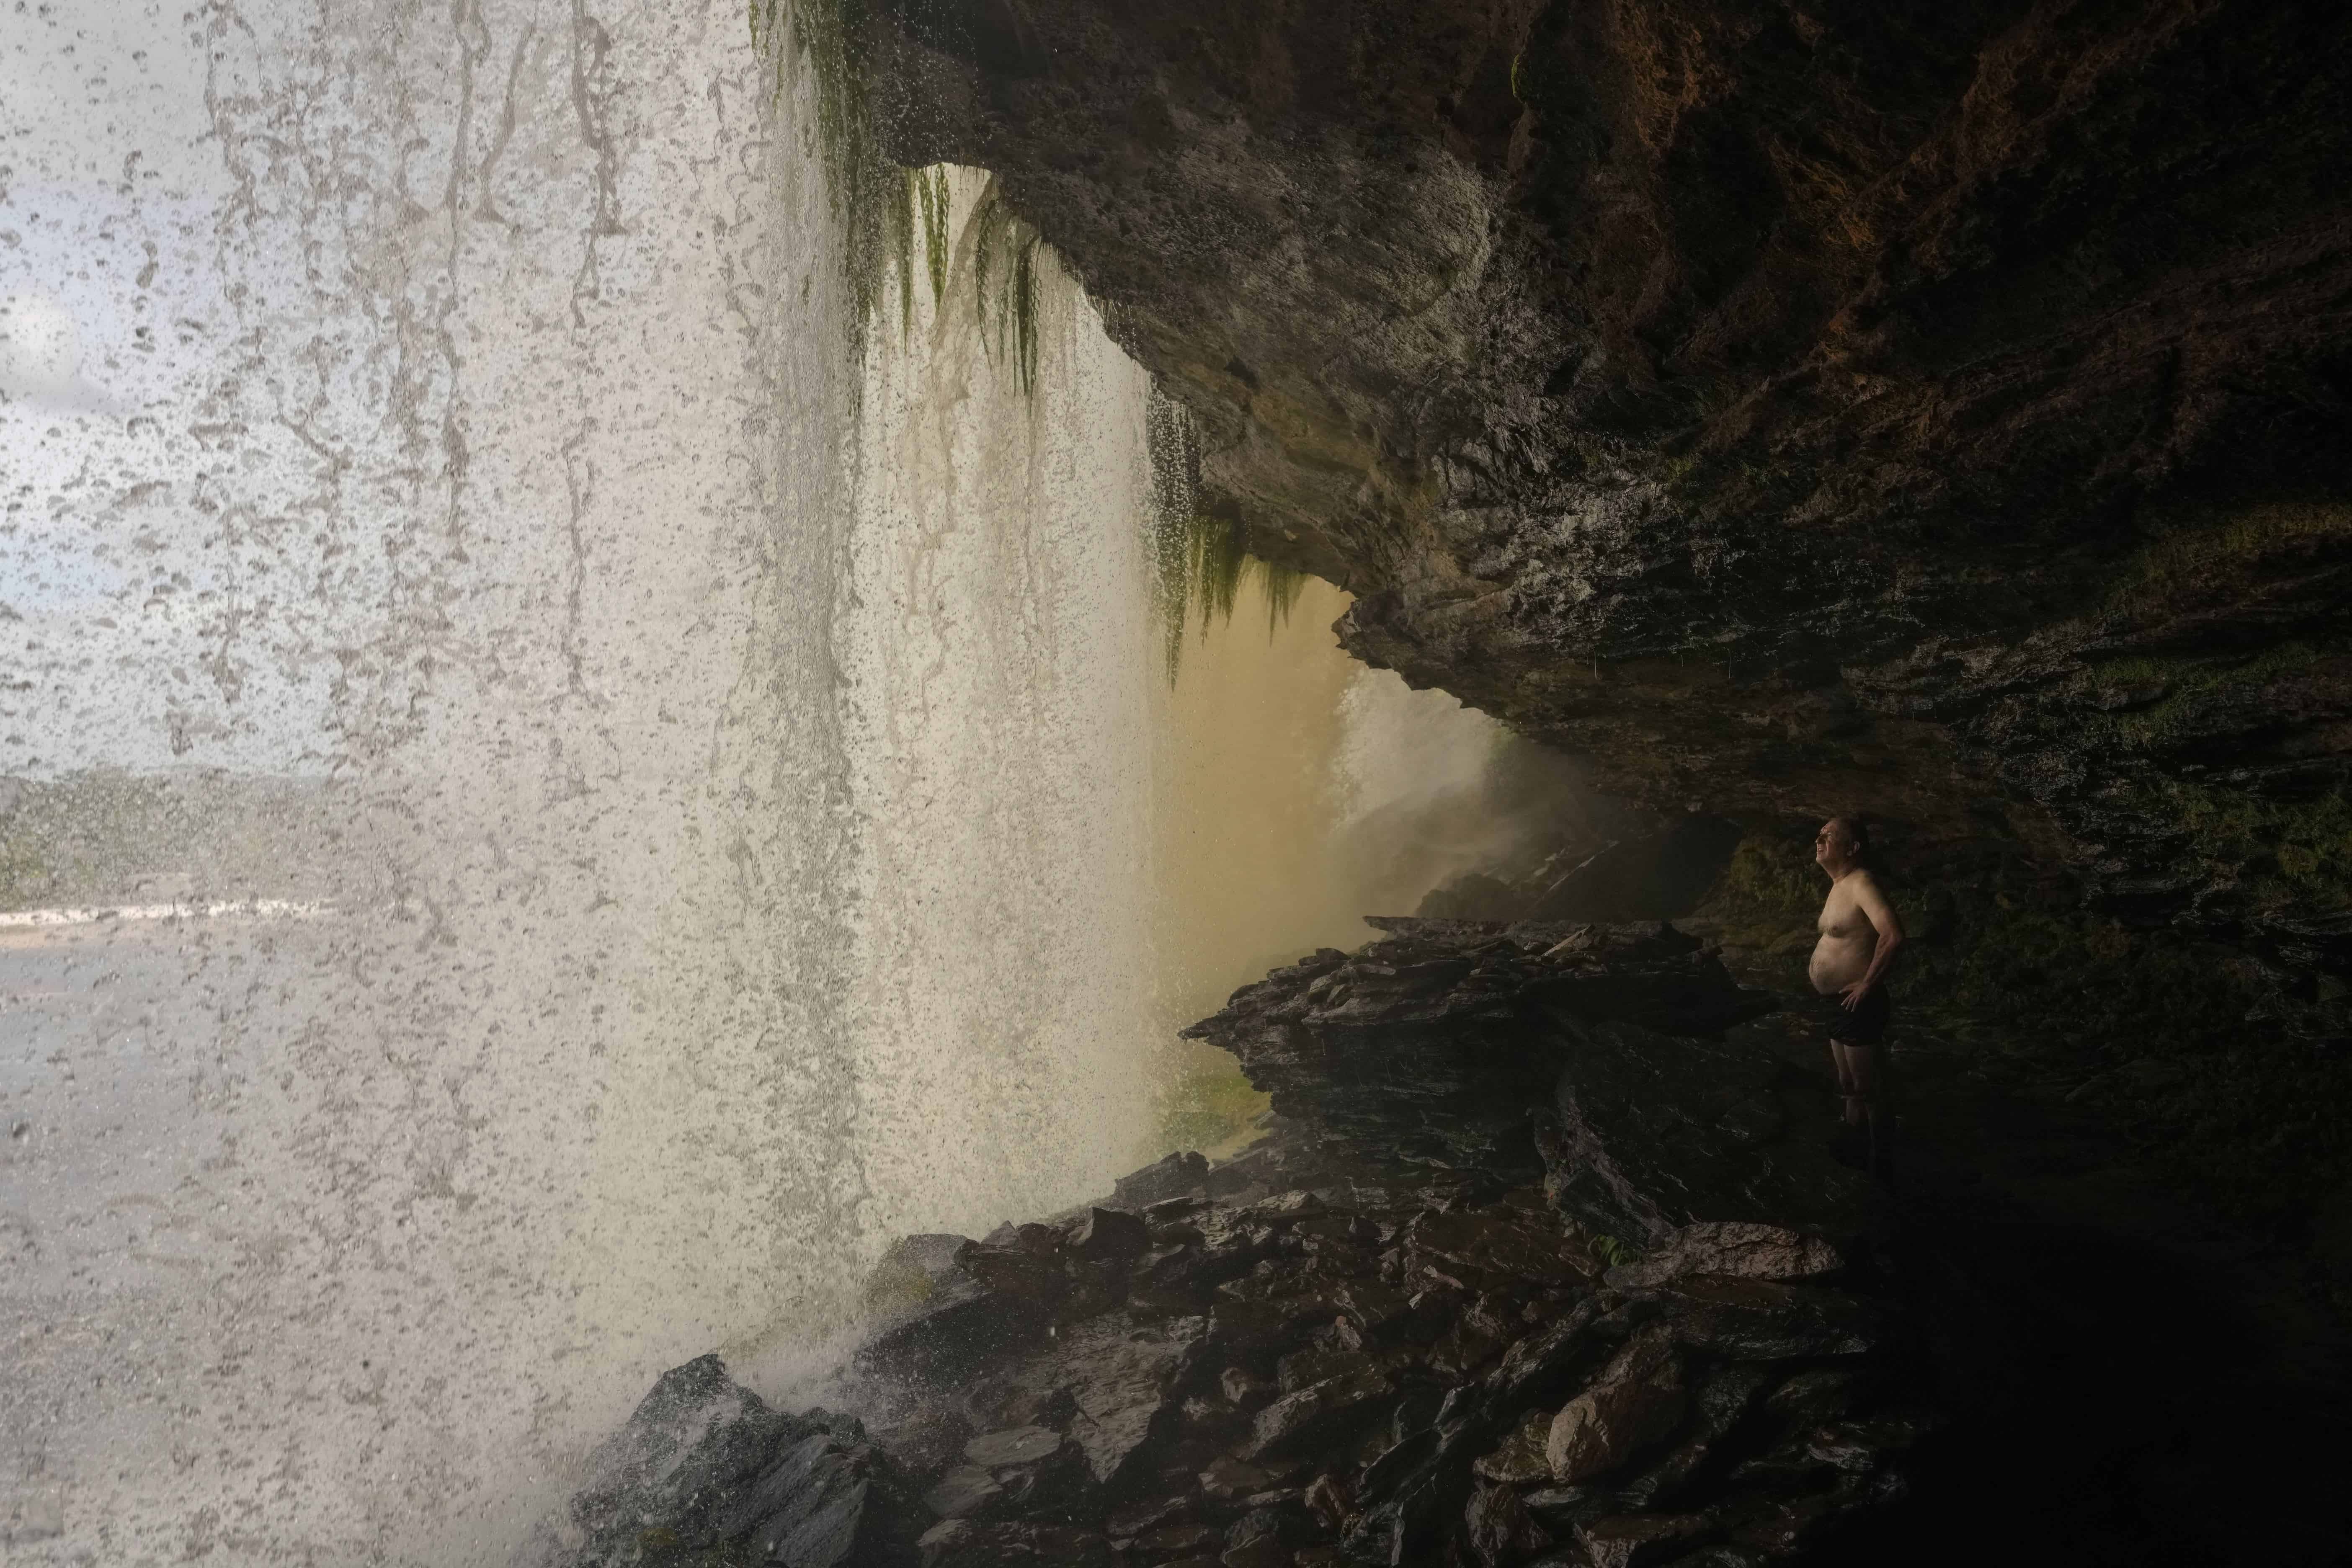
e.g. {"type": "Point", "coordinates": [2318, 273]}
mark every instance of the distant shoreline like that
{"type": "Point", "coordinates": [95, 914]}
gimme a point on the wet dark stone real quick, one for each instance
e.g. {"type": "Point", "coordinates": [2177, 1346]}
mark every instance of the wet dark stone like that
{"type": "Point", "coordinates": [1652, 1132]}
{"type": "Point", "coordinates": [704, 1464]}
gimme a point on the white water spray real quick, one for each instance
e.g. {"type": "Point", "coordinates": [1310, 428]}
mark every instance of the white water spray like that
{"type": "Point", "coordinates": [737, 804]}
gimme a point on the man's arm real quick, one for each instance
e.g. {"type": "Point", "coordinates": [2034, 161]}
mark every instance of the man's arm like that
{"type": "Point", "coordinates": [1881, 915]}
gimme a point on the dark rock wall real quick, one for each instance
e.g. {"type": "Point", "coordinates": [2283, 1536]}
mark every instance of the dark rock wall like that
{"type": "Point", "coordinates": [1930, 409]}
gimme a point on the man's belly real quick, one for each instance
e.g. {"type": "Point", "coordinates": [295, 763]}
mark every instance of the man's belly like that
{"type": "Point", "coordinates": [1838, 963]}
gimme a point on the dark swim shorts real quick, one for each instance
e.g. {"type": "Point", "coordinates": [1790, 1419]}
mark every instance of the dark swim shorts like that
{"type": "Point", "coordinates": [1864, 1025]}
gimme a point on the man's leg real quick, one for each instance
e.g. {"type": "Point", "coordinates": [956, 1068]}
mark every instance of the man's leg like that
{"type": "Point", "coordinates": [1843, 1057]}
{"type": "Point", "coordinates": [1868, 1096]}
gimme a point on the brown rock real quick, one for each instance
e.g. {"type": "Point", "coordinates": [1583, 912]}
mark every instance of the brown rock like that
{"type": "Point", "coordinates": [966, 1490]}
{"type": "Point", "coordinates": [1763, 1319]}
{"type": "Point", "coordinates": [1544, 1366]}
{"type": "Point", "coordinates": [1045, 1240]}
{"type": "Point", "coordinates": [1272, 1324]}
{"type": "Point", "coordinates": [1495, 1246]}
{"type": "Point", "coordinates": [1020, 1446]}
{"type": "Point", "coordinates": [1329, 1500]}
{"type": "Point", "coordinates": [1228, 1479]}
{"type": "Point", "coordinates": [1500, 1527]}
{"type": "Point", "coordinates": [1017, 1272]}
{"type": "Point", "coordinates": [1106, 1233]}
{"type": "Point", "coordinates": [928, 1441]}
{"type": "Point", "coordinates": [1175, 1541]}
{"type": "Point", "coordinates": [1632, 1540]}
{"type": "Point", "coordinates": [1716, 1409]}
{"type": "Point", "coordinates": [1245, 1390]}
{"type": "Point", "coordinates": [1302, 1368]}
{"type": "Point", "coordinates": [1162, 1182]}
{"type": "Point", "coordinates": [1374, 1308]}
{"type": "Point", "coordinates": [1293, 1206]}
{"type": "Point", "coordinates": [1737, 1248]}
{"type": "Point", "coordinates": [1150, 1514]}
{"type": "Point", "coordinates": [1637, 1401]}
{"type": "Point", "coordinates": [1812, 1397]}
{"type": "Point", "coordinates": [1523, 1458]}
{"type": "Point", "coordinates": [1462, 1349]}
{"type": "Point", "coordinates": [1315, 1413]}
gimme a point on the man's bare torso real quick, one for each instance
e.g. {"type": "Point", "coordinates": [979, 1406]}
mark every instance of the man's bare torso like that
{"type": "Point", "coordinates": [1848, 940]}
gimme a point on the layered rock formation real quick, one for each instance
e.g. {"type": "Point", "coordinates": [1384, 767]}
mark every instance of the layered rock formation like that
{"type": "Point", "coordinates": [1391, 1333]}
{"type": "Point", "coordinates": [1937, 411]}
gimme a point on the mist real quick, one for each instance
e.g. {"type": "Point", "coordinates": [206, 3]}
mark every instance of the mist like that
{"type": "Point", "coordinates": [1301, 790]}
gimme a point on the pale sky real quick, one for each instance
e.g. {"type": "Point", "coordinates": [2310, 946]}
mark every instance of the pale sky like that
{"type": "Point", "coordinates": [121, 584]}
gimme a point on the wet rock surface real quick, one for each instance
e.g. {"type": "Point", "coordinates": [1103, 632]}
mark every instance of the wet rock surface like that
{"type": "Point", "coordinates": [704, 1472]}
{"type": "Point", "coordinates": [1347, 1358]}
{"type": "Point", "coordinates": [1936, 414]}
{"type": "Point", "coordinates": [1435, 1043]}
{"type": "Point", "coordinates": [1336, 1347]}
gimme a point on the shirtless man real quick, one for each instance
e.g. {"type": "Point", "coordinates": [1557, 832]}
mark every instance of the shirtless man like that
{"type": "Point", "coordinates": [1860, 936]}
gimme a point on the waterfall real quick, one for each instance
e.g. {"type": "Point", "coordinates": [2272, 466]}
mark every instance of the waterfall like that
{"type": "Point", "coordinates": [729, 761]}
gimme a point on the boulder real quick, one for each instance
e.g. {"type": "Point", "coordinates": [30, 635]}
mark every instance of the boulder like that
{"type": "Point", "coordinates": [965, 1489]}
{"type": "Point", "coordinates": [1110, 1233]}
{"type": "Point", "coordinates": [1523, 1458]}
{"type": "Point", "coordinates": [1020, 1445]}
{"type": "Point", "coordinates": [704, 1465]}
{"type": "Point", "coordinates": [1171, 1542]}
{"type": "Point", "coordinates": [1650, 1132]}
{"type": "Point", "coordinates": [957, 1322]}
{"type": "Point", "coordinates": [1501, 1528]}
{"type": "Point", "coordinates": [913, 1270]}
{"type": "Point", "coordinates": [1289, 1525]}
{"type": "Point", "coordinates": [1104, 1383]}
{"type": "Point", "coordinates": [1742, 1249]}
{"type": "Point", "coordinates": [1246, 1391]}
{"type": "Point", "coordinates": [1302, 1368]}
{"type": "Point", "coordinates": [1763, 1319]}
{"type": "Point", "coordinates": [811, 1507]}
{"type": "Point", "coordinates": [1542, 1367]}
{"type": "Point", "coordinates": [1316, 1412]}
{"type": "Point", "coordinates": [1227, 1480]}
{"type": "Point", "coordinates": [1156, 1511]}
{"type": "Point", "coordinates": [1637, 1401]}
{"type": "Point", "coordinates": [1433, 1043]}
{"type": "Point", "coordinates": [1122, 1376]}
{"type": "Point", "coordinates": [1162, 1180]}
{"type": "Point", "coordinates": [1719, 1407]}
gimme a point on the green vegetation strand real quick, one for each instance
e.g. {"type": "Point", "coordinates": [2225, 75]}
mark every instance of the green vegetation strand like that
{"type": "Point", "coordinates": [892, 215]}
{"type": "Point", "coordinates": [1199, 559]}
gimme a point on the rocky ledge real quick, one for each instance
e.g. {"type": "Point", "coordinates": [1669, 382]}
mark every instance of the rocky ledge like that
{"type": "Point", "coordinates": [1933, 411]}
{"type": "Point", "coordinates": [1647, 1326]}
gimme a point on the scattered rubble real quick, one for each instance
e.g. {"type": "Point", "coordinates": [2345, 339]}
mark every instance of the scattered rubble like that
{"type": "Point", "coordinates": [1336, 1348]}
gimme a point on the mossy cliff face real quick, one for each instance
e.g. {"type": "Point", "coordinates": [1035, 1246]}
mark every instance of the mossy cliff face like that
{"type": "Point", "coordinates": [1936, 410]}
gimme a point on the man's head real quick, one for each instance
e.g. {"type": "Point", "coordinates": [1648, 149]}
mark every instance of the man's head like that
{"type": "Point", "coordinates": [1843, 842]}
